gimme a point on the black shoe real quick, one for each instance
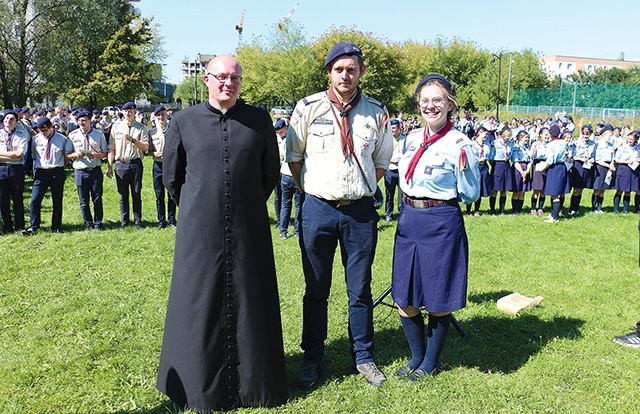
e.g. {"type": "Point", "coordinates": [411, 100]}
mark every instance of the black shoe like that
{"type": "Point", "coordinates": [139, 226]}
{"type": "Point", "coordinates": [283, 236]}
{"type": "Point", "coordinates": [372, 373]}
{"type": "Point", "coordinates": [309, 375]}
{"type": "Point", "coordinates": [124, 224]}
{"type": "Point", "coordinates": [29, 232]}
{"type": "Point", "coordinates": [161, 226]}
{"type": "Point", "coordinates": [98, 226]}
{"type": "Point", "coordinates": [57, 231]}
{"type": "Point", "coordinates": [403, 372]}
{"type": "Point", "coordinates": [173, 224]}
{"type": "Point", "coordinates": [88, 227]}
{"type": "Point", "coordinates": [419, 374]}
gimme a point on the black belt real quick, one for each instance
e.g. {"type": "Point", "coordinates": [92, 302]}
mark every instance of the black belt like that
{"type": "Point", "coordinates": [427, 202]}
{"type": "Point", "coordinates": [86, 169]}
{"type": "Point", "coordinates": [130, 161]}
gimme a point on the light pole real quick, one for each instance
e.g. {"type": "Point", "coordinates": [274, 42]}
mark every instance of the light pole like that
{"type": "Point", "coordinates": [493, 58]}
{"type": "Point", "coordinates": [195, 79]}
{"type": "Point", "coordinates": [509, 81]}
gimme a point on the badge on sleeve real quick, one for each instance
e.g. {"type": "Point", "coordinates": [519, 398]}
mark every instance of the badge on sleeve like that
{"type": "Point", "coordinates": [428, 169]}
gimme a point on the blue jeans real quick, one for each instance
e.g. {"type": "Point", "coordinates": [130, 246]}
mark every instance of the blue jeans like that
{"type": "Point", "coordinates": [290, 193]}
{"type": "Point", "coordinates": [129, 176]}
{"type": "Point", "coordinates": [324, 226]}
{"type": "Point", "coordinates": [168, 214]}
{"type": "Point", "coordinates": [89, 184]}
{"type": "Point", "coordinates": [43, 179]}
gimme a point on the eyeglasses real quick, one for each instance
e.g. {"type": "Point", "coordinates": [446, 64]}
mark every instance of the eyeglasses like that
{"type": "Point", "coordinates": [436, 101]}
{"type": "Point", "coordinates": [222, 78]}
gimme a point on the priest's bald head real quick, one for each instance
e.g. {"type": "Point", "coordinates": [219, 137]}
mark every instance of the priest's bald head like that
{"type": "Point", "coordinates": [224, 79]}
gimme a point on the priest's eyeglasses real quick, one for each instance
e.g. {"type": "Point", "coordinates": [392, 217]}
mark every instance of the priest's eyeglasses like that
{"type": "Point", "coordinates": [222, 78]}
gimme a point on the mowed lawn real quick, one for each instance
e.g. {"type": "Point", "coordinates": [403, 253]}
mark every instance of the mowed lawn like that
{"type": "Point", "coordinates": [82, 315]}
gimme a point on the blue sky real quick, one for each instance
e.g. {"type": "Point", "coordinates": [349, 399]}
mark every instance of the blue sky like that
{"type": "Point", "coordinates": [586, 28]}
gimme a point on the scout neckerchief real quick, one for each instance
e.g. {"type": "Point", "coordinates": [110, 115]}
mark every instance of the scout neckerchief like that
{"type": "Point", "coordinates": [346, 140]}
{"type": "Point", "coordinates": [87, 144]}
{"type": "Point", "coordinates": [425, 143]}
{"type": "Point", "coordinates": [47, 152]}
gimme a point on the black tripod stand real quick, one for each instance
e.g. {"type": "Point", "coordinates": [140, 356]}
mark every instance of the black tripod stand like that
{"type": "Point", "coordinates": [454, 321]}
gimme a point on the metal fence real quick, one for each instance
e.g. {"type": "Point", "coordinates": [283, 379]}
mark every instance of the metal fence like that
{"type": "Point", "coordinates": [588, 112]}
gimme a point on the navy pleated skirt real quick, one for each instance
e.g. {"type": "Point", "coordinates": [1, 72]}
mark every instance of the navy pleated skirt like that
{"type": "Point", "coordinates": [580, 177]}
{"type": "Point", "coordinates": [601, 175]}
{"type": "Point", "coordinates": [626, 178]}
{"type": "Point", "coordinates": [539, 178]}
{"type": "Point", "coordinates": [557, 180]}
{"type": "Point", "coordinates": [486, 180]}
{"type": "Point", "coordinates": [516, 183]}
{"type": "Point", "coordinates": [501, 171]}
{"type": "Point", "coordinates": [430, 259]}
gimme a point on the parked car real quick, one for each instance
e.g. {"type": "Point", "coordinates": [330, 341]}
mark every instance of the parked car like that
{"type": "Point", "coordinates": [112, 110]}
{"type": "Point", "coordinates": [281, 111]}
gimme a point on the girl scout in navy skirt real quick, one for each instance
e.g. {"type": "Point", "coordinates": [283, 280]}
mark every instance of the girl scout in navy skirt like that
{"type": "Point", "coordinates": [557, 184]}
{"type": "Point", "coordinates": [604, 167]}
{"type": "Point", "coordinates": [539, 154]}
{"type": "Point", "coordinates": [520, 174]}
{"type": "Point", "coordinates": [499, 156]}
{"type": "Point", "coordinates": [485, 178]}
{"type": "Point", "coordinates": [430, 260]}
{"type": "Point", "coordinates": [626, 158]}
{"type": "Point", "coordinates": [582, 174]}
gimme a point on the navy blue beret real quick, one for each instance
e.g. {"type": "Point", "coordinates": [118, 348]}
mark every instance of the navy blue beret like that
{"type": "Point", "coordinates": [606, 127]}
{"type": "Point", "coordinates": [83, 113]}
{"type": "Point", "coordinates": [394, 122]}
{"type": "Point", "coordinates": [11, 112]}
{"type": "Point", "coordinates": [554, 130]}
{"type": "Point", "coordinates": [129, 105]}
{"type": "Point", "coordinates": [43, 123]}
{"type": "Point", "coordinates": [280, 123]}
{"type": "Point", "coordinates": [158, 109]}
{"type": "Point", "coordinates": [588, 126]}
{"type": "Point", "coordinates": [342, 49]}
{"type": "Point", "coordinates": [434, 76]}
{"type": "Point", "coordinates": [25, 109]}
{"type": "Point", "coordinates": [95, 112]}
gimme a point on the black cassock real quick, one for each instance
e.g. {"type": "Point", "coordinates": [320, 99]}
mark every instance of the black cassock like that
{"type": "Point", "coordinates": [222, 345]}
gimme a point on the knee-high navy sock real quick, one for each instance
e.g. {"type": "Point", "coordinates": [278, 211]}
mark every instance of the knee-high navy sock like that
{"type": "Point", "coordinates": [594, 201]}
{"type": "Point", "coordinates": [616, 202]}
{"type": "Point", "coordinates": [414, 331]}
{"type": "Point", "coordinates": [541, 200]}
{"type": "Point", "coordinates": [476, 207]}
{"type": "Point", "coordinates": [533, 202]}
{"type": "Point", "coordinates": [555, 209]}
{"type": "Point", "coordinates": [468, 208]}
{"type": "Point", "coordinates": [572, 203]}
{"type": "Point", "coordinates": [626, 200]}
{"type": "Point", "coordinates": [503, 201]}
{"type": "Point", "coordinates": [436, 338]}
{"type": "Point", "coordinates": [599, 201]}
{"type": "Point", "coordinates": [492, 204]}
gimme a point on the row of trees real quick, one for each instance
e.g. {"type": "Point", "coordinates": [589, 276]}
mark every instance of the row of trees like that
{"type": "Point", "coordinates": [90, 53]}
{"type": "Point", "coordinates": [283, 67]}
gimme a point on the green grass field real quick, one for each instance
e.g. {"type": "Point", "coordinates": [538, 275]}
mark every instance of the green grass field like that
{"type": "Point", "coordinates": [82, 315]}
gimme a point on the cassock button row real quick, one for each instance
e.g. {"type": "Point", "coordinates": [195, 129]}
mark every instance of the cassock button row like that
{"type": "Point", "coordinates": [224, 138]}
{"type": "Point", "coordinates": [226, 160]}
{"type": "Point", "coordinates": [228, 229]}
{"type": "Point", "coordinates": [228, 195]}
{"type": "Point", "coordinates": [227, 171]}
{"type": "Point", "coordinates": [228, 239]}
{"type": "Point", "coordinates": [228, 207]}
{"type": "Point", "coordinates": [227, 251]}
{"type": "Point", "coordinates": [225, 149]}
{"type": "Point", "coordinates": [224, 128]}
{"type": "Point", "coordinates": [227, 217]}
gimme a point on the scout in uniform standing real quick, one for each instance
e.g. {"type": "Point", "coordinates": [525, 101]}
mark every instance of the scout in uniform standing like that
{"type": "Point", "coordinates": [90, 148]}
{"type": "Point", "coordinates": [166, 215]}
{"type": "Point", "coordinates": [14, 143]}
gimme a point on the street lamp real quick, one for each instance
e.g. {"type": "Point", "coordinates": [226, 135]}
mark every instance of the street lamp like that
{"type": "Point", "coordinates": [195, 79]}
{"type": "Point", "coordinates": [493, 58]}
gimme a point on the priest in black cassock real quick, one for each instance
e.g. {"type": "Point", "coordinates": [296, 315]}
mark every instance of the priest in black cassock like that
{"type": "Point", "coordinates": [222, 346]}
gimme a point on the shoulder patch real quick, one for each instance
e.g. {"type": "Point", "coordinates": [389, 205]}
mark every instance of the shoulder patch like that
{"type": "Point", "coordinates": [375, 102]}
{"type": "Point", "coordinates": [312, 98]}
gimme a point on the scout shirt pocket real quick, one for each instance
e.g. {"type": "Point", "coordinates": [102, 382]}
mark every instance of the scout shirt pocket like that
{"type": "Point", "coordinates": [364, 137]}
{"type": "Point", "coordinates": [321, 135]}
{"type": "Point", "coordinates": [439, 169]}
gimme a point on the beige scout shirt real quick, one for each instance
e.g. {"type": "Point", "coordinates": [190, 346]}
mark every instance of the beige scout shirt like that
{"type": "Point", "coordinates": [313, 139]}
{"type": "Point", "coordinates": [124, 150]}
{"type": "Point", "coordinates": [156, 136]}
{"type": "Point", "coordinates": [92, 142]}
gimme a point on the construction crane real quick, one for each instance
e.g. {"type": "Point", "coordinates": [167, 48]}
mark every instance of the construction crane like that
{"type": "Point", "coordinates": [281, 25]}
{"type": "Point", "coordinates": [240, 26]}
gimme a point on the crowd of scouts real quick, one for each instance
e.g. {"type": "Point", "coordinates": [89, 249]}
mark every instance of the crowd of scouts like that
{"type": "Point", "coordinates": [545, 158]}
{"type": "Point", "coordinates": [42, 143]}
